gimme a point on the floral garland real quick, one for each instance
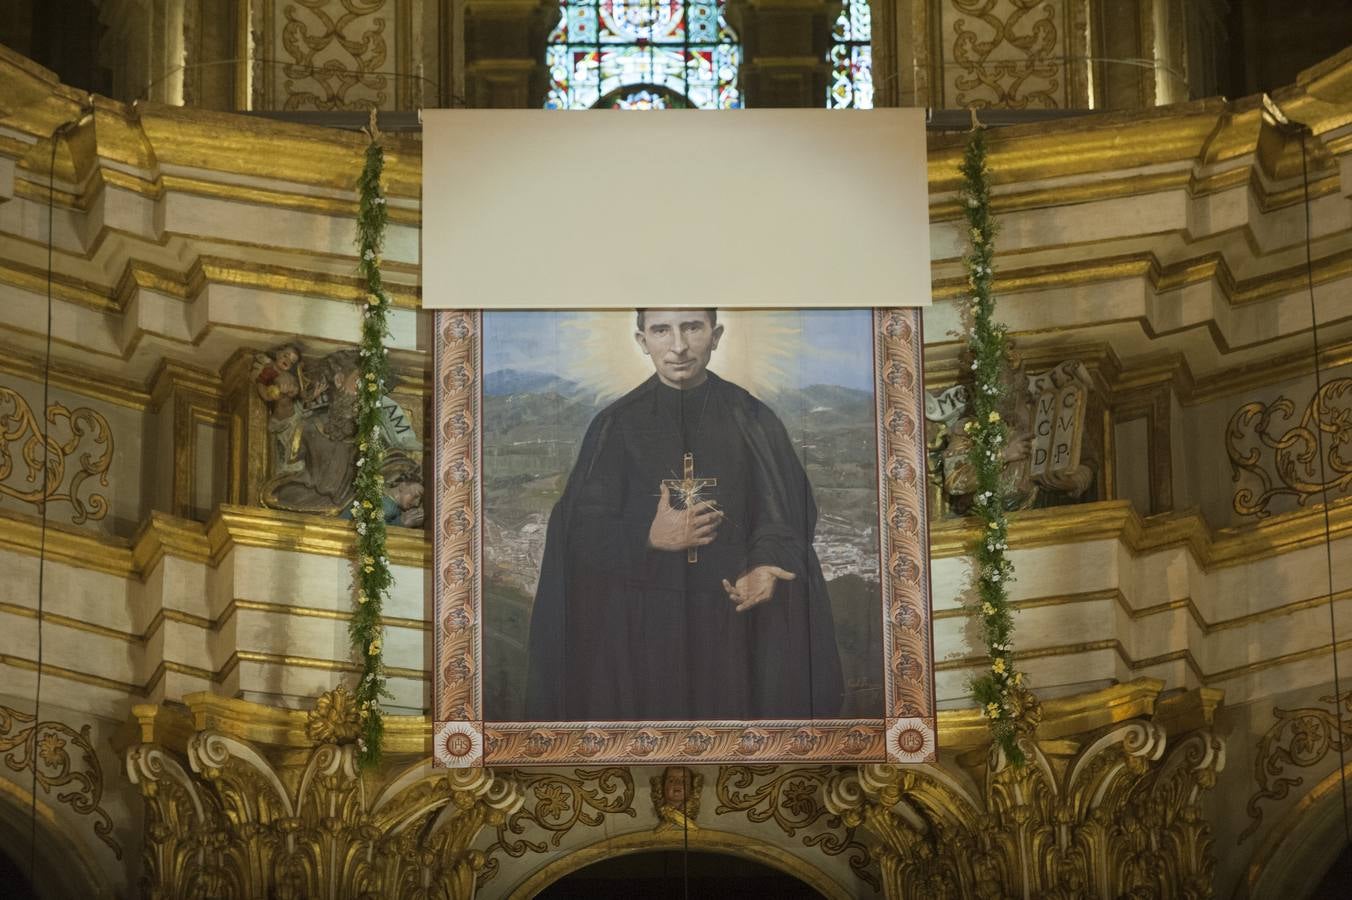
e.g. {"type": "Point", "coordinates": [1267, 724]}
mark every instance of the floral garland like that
{"type": "Point", "coordinates": [996, 691]}
{"type": "Point", "coordinates": [372, 577]}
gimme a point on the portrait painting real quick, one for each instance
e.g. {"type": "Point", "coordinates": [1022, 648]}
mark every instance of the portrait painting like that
{"type": "Point", "coordinates": [681, 535]}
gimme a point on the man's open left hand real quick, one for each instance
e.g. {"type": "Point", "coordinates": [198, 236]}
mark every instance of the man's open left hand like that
{"type": "Point", "coordinates": [756, 586]}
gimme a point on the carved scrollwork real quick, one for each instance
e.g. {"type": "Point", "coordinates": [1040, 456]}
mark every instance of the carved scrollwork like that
{"type": "Point", "coordinates": [1122, 820]}
{"type": "Point", "coordinates": [791, 798]}
{"type": "Point", "coordinates": [19, 427]}
{"type": "Point", "coordinates": [1009, 56]}
{"type": "Point", "coordinates": [1298, 739]}
{"type": "Point", "coordinates": [1294, 453]}
{"type": "Point", "coordinates": [231, 825]}
{"type": "Point", "coordinates": [350, 34]}
{"type": "Point", "coordinates": [63, 762]}
{"type": "Point", "coordinates": [554, 804]}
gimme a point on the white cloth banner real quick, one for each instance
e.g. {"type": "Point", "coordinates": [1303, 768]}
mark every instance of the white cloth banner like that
{"type": "Point", "coordinates": [608, 209]}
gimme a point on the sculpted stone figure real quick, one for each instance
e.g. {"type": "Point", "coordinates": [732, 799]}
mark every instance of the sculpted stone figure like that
{"type": "Point", "coordinates": [312, 424]}
{"type": "Point", "coordinates": [675, 796]}
{"type": "Point", "coordinates": [1048, 459]}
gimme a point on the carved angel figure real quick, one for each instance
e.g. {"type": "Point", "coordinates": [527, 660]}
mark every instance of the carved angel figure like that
{"type": "Point", "coordinates": [675, 795]}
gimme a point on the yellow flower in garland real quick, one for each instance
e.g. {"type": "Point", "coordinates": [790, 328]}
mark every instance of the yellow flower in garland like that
{"type": "Point", "coordinates": [374, 647]}
{"type": "Point", "coordinates": [993, 417]}
{"type": "Point", "coordinates": [998, 665]}
{"type": "Point", "coordinates": [993, 710]}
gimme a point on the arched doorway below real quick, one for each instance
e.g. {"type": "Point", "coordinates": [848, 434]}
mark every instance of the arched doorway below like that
{"type": "Point", "coordinates": [14, 875]}
{"type": "Point", "coordinates": [667, 874]}
{"type": "Point", "coordinates": [1335, 881]}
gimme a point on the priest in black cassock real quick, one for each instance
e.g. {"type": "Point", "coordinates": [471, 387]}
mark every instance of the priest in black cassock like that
{"type": "Point", "coordinates": [679, 579]}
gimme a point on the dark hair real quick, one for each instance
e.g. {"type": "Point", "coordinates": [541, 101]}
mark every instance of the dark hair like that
{"type": "Point", "coordinates": [710, 311]}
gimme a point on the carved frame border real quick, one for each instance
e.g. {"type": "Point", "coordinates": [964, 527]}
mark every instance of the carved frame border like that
{"type": "Point", "coordinates": [461, 738]}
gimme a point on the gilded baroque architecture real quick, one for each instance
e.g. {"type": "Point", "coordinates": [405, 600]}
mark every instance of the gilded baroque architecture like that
{"type": "Point", "coordinates": [1180, 539]}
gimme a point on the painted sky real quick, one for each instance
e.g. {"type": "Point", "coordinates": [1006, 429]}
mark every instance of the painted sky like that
{"type": "Point", "coordinates": [760, 349]}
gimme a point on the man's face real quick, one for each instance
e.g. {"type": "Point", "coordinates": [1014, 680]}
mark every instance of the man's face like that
{"type": "Point", "coordinates": [680, 342]}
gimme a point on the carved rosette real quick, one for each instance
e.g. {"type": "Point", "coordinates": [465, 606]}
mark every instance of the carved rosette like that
{"type": "Point", "coordinates": [907, 649]}
{"type": "Point", "coordinates": [230, 824]}
{"type": "Point", "coordinates": [1121, 818]}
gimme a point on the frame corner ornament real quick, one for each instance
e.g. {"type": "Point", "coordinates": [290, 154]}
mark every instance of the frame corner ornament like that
{"type": "Point", "coordinates": [911, 741]}
{"type": "Point", "coordinates": [458, 745]}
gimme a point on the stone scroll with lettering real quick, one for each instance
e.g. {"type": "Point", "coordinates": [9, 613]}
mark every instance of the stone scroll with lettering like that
{"type": "Point", "coordinates": [681, 536]}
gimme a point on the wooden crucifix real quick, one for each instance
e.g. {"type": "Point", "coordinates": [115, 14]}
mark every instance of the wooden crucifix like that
{"type": "Point", "coordinates": [689, 488]}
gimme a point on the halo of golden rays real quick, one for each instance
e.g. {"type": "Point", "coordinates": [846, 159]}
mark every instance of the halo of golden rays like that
{"type": "Point", "coordinates": [758, 351]}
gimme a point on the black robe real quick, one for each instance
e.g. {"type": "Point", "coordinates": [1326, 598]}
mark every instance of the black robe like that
{"type": "Point", "coordinates": [620, 631]}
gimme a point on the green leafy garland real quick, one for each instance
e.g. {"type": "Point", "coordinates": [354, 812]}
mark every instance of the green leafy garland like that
{"type": "Point", "coordinates": [372, 578]}
{"type": "Point", "coordinates": [988, 435]}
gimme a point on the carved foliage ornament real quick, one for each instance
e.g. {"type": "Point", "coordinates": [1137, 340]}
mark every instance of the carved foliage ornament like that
{"type": "Point", "coordinates": [231, 825]}
{"type": "Point", "coordinates": [45, 749]}
{"type": "Point", "coordinates": [1298, 739]}
{"type": "Point", "coordinates": [554, 803]}
{"type": "Point", "coordinates": [1260, 449]}
{"type": "Point", "coordinates": [21, 432]}
{"type": "Point", "coordinates": [792, 799]}
{"type": "Point", "coordinates": [1120, 819]}
{"type": "Point", "coordinates": [332, 48]}
{"type": "Point", "coordinates": [1009, 54]}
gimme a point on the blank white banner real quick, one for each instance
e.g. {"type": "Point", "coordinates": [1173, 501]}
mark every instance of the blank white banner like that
{"type": "Point", "coordinates": [676, 208]}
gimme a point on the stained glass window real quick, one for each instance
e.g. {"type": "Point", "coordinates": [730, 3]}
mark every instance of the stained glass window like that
{"type": "Point", "coordinates": [851, 85]}
{"type": "Point", "coordinates": [643, 54]}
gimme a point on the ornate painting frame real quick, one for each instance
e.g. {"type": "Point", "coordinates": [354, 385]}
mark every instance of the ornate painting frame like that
{"type": "Point", "coordinates": [904, 735]}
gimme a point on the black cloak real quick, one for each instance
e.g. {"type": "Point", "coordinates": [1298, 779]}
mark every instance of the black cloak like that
{"type": "Point", "coordinates": [620, 631]}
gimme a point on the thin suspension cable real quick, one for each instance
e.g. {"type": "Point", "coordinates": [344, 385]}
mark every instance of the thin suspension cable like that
{"type": "Point", "coordinates": [42, 507]}
{"type": "Point", "coordinates": [1324, 488]}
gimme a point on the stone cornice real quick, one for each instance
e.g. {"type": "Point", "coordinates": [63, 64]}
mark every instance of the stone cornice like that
{"type": "Point", "coordinates": [163, 535]}
{"type": "Point", "coordinates": [959, 729]}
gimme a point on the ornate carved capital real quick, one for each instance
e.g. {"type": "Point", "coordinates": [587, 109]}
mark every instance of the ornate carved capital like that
{"type": "Point", "coordinates": [1116, 816]}
{"type": "Point", "coordinates": [233, 824]}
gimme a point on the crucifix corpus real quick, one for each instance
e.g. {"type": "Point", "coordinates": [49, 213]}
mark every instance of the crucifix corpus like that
{"type": "Point", "coordinates": [688, 488]}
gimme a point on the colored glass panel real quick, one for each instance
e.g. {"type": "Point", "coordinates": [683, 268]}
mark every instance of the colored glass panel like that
{"type": "Point", "coordinates": [851, 58]}
{"type": "Point", "coordinates": [603, 51]}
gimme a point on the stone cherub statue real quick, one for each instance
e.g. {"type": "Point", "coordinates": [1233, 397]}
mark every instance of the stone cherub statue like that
{"type": "Point", "coordinates": [675, 795]}
{"type": "Point", "coordinates": [315, 450]}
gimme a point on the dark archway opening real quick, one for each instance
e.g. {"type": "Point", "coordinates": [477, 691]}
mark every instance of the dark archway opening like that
{"type": "Point", "coordinates": [662, 875]}
{"type": "Point", "coordinates": [1334, 885]}
{"type": "Point", "coordinates": [14, 876]}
